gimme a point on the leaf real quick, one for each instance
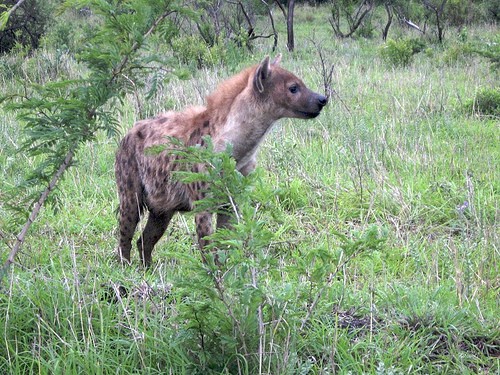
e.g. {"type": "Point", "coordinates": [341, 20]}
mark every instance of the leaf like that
{"type": "Point", "coordinates": [4, 18]}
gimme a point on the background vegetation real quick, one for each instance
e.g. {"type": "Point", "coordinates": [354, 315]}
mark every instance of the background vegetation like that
{"type": "Point", "coordinates": [366, 242]}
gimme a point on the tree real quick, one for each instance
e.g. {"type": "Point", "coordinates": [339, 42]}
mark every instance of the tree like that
{"type": "Point", "coordinates": [437, 9]}
{"type": "Point", "coordinates": [220, 21]}
{"type": "Point", "coordinates": [390, 14]}
{"type": "Point", "coordinates": [289, 26]}
{"type": "Point", "coordinates": [59, 117]}
{"type": "Point", "coordinates": [288, 14]}
{"type": "Point", "coordinates": [353, 15]}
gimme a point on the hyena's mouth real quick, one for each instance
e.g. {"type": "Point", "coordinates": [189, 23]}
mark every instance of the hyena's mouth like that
{"type": "Point", "coordinates": [308, 115]}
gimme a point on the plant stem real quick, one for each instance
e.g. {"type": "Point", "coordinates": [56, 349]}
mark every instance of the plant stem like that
{"type": "Point", "coordinates": [38, 205]}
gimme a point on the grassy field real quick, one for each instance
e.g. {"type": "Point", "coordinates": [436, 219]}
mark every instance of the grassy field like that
{"type": "Point", "coordinates": [374, 248]}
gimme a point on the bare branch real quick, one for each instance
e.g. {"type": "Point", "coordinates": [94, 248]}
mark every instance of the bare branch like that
{"type": "Point", "coordinates": [326, 72]}
{"type": "Point", "coordinates": [411, 24]}
{"type": "Point", "coordinates": [281, 7]}
{"type": "Point", "coordinates": [118, 69]}
{"type": "Point", "coordinates": [271, 18]}
{"type": "Point", "coordinates": [38, 205]}
{"type": "Point", "coordinates": [354, 20]}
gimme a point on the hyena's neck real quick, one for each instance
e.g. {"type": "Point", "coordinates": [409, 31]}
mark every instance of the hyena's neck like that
{"type": "Point", "coordinates": [244, 128]}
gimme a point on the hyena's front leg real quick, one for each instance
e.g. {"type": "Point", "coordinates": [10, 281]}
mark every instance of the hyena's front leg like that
{"type": "Point", "coordinates": [203, 221]}
{"type": "Point", "coordinates": [224, 216]}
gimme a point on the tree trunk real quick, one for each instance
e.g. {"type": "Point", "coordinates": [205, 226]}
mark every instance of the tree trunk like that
{"type": "Point", "coordinates": [388, 9]}
{"type": "Point", "coordinates": [289, 26]}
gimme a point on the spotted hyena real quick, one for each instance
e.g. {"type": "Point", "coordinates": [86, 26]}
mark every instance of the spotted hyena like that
{"type": "Point", "coordinates": [240, 112]}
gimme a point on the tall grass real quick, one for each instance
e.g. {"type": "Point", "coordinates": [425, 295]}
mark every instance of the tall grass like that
{"type": "Point", "coordinates": [394, 151]}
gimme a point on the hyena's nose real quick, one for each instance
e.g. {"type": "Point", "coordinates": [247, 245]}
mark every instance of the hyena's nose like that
{"type": "Point", "coordinates": [322, 100]}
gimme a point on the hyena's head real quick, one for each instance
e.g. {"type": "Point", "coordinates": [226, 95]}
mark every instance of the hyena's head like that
{"type": "Point", "coordinates": [285, 93]}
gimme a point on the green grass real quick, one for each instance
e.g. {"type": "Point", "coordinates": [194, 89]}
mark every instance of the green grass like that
{"type": "Point", "coordinates": [393, 151]}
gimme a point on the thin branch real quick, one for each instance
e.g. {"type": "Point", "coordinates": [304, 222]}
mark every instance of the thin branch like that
{"type": "Point", "coordinates": [275, 33]}
{"type": "Point", "coordinates": [411, 24]}
{"type": "Point", "coordinates": [281, 7]}
{"type": "Point", "coordinates": [260, 318]}
{"type": "Point", "coordinates": [251, 29]}
{"type": "Point", "coordinates": [327, 75]}
{"type": "Point", "coordinates": [354, 21]}
{"type": "Point", "coordinates": [116, 71]}
{"type": "Point", "coordinates": [218, 283]}
{"type": "Point", "coordinates": [247, 17]}
{"type": "Point", "coordinates": [17, 5]}
{"type": "Point", "coordinates": [38, 205]}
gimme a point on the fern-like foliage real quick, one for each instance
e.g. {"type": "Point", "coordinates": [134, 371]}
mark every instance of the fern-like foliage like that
{"type": "Point", "coordinates": [57, 118]}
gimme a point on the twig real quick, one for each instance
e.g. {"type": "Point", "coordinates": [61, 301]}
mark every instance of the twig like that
{"type": "Point", "coordinates": [116, 72]}
{"type": "Point", "coordinates": [327, 75]}
{"type": "Point", "coordinates": [38, 205]}
{"type": "Point", "coordinates": [4, 238]}
{"type": "Point", "coordinates": [275, 33]}
{"type": "Point", "coordinates": [217, 278]}
{"type": "Point", "coordinates": [261, 322]}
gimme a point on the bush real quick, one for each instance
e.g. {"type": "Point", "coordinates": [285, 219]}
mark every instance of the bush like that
{"type": "Point", "coordinates": [400, 52]}
{"type": "Point", "coordinates": [489, 49]}
{"type": "Point", "coordinates": [486, 102]}
{"type": "Point", "coordinates": [229, 306]}
{"type": "Point", "coordinates": [366, 30]}
{"type": "Point", "coordinates": [454, 53]}
{"type": "Point", "coordinates": [193, 50]}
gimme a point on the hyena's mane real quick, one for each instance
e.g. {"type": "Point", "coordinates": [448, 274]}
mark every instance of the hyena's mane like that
{"type": "Point", "coordinates": [220, 101]}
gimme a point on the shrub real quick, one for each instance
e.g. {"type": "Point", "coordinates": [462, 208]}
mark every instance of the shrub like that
{"type": "Point", "coordinates": [489, 49]}
{"type": "Point", "coordinates": [454, 53]}
{"type": "Point", "coordinates": [69, 31]}
{"type": "Point", "coordinates": [366, 30]}
{"type": "Point", "coordinates": [400, 52]}
{"type": "Point", "coordinates": [193, 50]}
{"type": "Point", "coordinates": [486, 102]}
{"type": "Point", "coordinates": [231, 307]}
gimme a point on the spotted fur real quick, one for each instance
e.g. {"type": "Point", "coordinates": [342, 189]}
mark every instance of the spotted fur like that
{"type": "Point", "coordinates": [241, 111]}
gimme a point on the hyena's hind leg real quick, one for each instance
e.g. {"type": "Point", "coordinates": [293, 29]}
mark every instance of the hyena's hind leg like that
{"type": "Point", "coordinates": [154, 230]}
{"type": "Point", "coordinates": [129, 215]}
{"type": "Point", "coordinates": [131, 198]}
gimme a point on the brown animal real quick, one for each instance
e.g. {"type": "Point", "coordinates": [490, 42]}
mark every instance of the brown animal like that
{"type": "Point", "coordinates": [240, 112]}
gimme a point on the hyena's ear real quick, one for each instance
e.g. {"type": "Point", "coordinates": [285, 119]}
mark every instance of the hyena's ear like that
{"type": "Point", "coordinates": [261, 75]}
{"type": "Point", "coordinates": [277, 60]}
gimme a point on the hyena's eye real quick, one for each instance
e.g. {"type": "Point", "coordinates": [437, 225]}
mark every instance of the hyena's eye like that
{"type": "Point", "coordinates": [294, 88]}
